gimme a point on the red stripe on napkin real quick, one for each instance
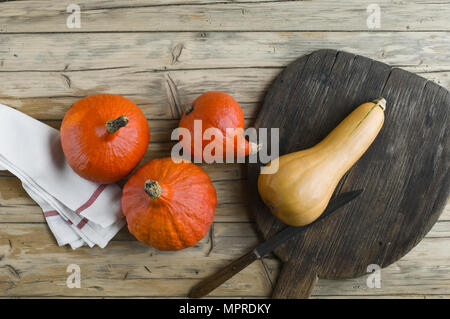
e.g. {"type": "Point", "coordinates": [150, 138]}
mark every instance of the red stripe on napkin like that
{"type": "Point", "coordinates": [51, 213]}
{"type": "Point", "coordinates": [82, 223]}
{"type": "Point", "coordinates": [91, 200]}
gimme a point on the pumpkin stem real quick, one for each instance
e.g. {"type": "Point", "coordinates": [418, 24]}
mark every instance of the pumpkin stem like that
{"type": "Point", "coordinates": [153, 189]}
{"type": "Point", "coordinates": [381, 102]}
{"type": "Point", "coordinates": [114, 125]}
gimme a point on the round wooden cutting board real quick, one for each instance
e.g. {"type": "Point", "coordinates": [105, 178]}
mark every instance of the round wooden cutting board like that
{"type": "Point", "coordinates": [404, 173]}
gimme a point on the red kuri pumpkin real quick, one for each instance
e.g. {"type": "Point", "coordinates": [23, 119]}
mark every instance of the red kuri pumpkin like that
{"type": "Point", "coordinates": [104, 137]}
{"type": "Point", "coordinates": [169, 206]}
{"type": "Point", "coordinates": [220, 111]}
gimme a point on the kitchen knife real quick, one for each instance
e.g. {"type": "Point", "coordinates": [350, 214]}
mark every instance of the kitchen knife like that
{"type": "Point", "coordinates": [214, 281]}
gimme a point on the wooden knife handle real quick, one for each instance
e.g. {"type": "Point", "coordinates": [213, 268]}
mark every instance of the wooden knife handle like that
{"type": "Point", "coordinates": [212, 282]}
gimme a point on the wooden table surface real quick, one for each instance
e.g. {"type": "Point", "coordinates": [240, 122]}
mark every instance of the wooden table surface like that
{"type": "Point", "coordinates": [162, 54]}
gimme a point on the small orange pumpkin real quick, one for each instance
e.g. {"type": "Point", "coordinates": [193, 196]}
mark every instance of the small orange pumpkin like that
{"type": "Point", "coordinates": [104, 137]}
{"type": "Point", "coordinates": [220, 111]}
{"type": "Point", "coordinates": [169, 206]}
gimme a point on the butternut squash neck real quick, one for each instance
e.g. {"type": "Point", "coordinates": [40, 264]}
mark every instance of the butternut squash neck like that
{"type": "Point", "coordinates": [346, 130]}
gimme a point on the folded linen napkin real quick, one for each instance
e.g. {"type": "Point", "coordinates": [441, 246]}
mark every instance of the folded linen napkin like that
{"type": "Point", "coordinates": [78, 212]}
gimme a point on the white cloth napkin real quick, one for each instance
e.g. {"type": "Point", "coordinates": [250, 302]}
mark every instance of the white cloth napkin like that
{"type": "Point", "coordinates": [78, 212]}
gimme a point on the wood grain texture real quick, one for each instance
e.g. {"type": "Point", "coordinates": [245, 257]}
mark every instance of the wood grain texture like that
{"type": "Point", "coordinates": [209, 284]}
{"type": "Point", "coordinates": [164, 72]}
{"type": "Point", "coordinates": [29, 250]}
{"type": "Point", "coordinates": [163, 80]}
{"type": "Point", "coordinates": [12, 193]}
{"type": "Point", "coordinates": [45, 67]}
{"type": "Point", "coordinates": [32, 264]}
{"type": "Point", "coordinates": [404, 172]}
{"type": "Point", "coordinates": [165, 51]}
{"type": "Point", "coordinates": [48, 16]}
{"type": "Point", "coordinates": [48, 96]}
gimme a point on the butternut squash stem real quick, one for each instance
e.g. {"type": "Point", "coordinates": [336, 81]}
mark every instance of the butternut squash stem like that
{"type": "Point", "coordinates": [381, 102]}
{"type": "Point", "coordinates": [114, 125]}
{"type": "Point", "coordinates": [153, 189]}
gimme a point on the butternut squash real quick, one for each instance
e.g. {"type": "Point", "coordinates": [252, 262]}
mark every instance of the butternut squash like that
{"type": "Point", "coordinates": [299, 191]}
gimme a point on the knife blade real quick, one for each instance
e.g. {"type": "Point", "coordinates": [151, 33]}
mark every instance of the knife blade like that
{"type": "Point", "coordinates": [214, 281]}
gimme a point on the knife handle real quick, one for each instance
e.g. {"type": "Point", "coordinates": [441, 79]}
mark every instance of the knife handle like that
{"type": "Point", "coordinates": [212, 282]}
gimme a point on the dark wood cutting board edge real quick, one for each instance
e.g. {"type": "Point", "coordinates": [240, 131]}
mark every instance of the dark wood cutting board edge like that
{"type": "Point", "coordinates": [404, 172]}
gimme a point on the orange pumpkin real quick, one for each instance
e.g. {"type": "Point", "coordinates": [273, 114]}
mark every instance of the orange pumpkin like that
{"type": "Point", "coordinates": [169, 206]}
{"type": "Point", "coordinates": [220, 111]}
{"type": "Point", "coordinates": [104, 137]}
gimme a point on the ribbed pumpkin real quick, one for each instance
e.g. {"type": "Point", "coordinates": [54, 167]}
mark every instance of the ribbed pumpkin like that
{"type": "Point", "coordinates": [169, 206]}
{"type": "Point", "coordinates": [220, 111]}
{"type": "Point", "coordinates": [104, 137]}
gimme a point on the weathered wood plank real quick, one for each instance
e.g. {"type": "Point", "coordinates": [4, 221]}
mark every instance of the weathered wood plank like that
{"type": "Point", "coordinates": [425, 270]}
{"type": "Point", "coordinates": [146, 52]}
{"type": "Point", "coordinates": [446, 213]}
{"type": "Point", "coordinates": [380, 227]}
{"type": "Point", "coordinates": [16, 206]}
{"type": "Point", "coordinates": [48, 95]}
{"type": "Point", "coordinates": [162, 146]}
{"type": "Point", "coordinates": [239, 212]}
{"type": "Point", "coordinates": [16, 242]}
{"type": "Point", "coordinates": [228, 192]}
{"type": "Point", "coordinates": [217, 171]}
{"type": "Point", "coordinates": [440, 230]}
{"type": "Point", "coordinates": [32, 213]}
{"type": "Point", "coordinates": [143, 66]}
{"type": "Point", "coordinates": [111, 4]}
{"type": "Point", "coordinates": [47, 16]}
{"type": "Point", "coordinates": [161, 130]}
{"type": "Point", "coordinates": [245, 284]}
{"type": "Point", "coordinates": [32, 264]}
